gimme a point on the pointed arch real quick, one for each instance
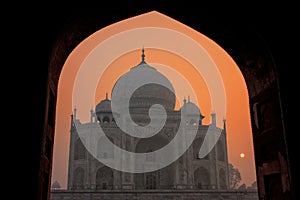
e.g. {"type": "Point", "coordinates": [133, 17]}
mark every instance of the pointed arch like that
{"type": "Point", "coordinates": [104, 178]}
{"type": "Point", "coordinates": [78, 178]}
{"type": "Point", "coordinates": [202, 178]}
{"type": "Point", "coordinates": [222, 179]}
{"type": "Point", "coordinates": [151, 180]}
{"type": "Point", "coordinates": [237, 55]}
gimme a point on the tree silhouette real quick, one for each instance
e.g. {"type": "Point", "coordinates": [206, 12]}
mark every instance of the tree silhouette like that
{"type": "Point", "coordinates": [242, 187]}
{"type": "Point", "coordinates": [253, 185]}
{"type": "Point", "coordinates": [234, 177]}
{"type": "Point", "coordinates": [55, 185]}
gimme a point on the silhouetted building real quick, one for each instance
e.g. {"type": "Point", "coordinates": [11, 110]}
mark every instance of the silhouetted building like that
{"type": "Point", "coordinates": [189, 176]}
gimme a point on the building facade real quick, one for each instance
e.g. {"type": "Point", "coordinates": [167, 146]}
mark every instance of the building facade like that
{"type": "Point", "coordinates": [206, 177]}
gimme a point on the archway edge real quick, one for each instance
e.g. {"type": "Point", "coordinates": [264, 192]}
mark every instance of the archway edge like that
{"type": "Point", "coordinates": [57, 61]}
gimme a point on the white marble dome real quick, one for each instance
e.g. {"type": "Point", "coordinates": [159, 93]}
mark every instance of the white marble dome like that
{"type": "Point", "coordinates": [148, 94]}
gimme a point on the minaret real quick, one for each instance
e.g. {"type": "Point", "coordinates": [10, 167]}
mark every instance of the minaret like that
{"type": "Point", "coordinates": [226, 154]}
{"type": "Point", "coordinates": [74, 113]}
{"type": "Point", "coordinates": [213, 119]}
{"type": "Point", "coordinates": [92, 116]}
{"type": "Point", "coordinates": [224, 125]}
{"type": "Point", "coordinates": [73, 132]}
{"type": "Point", "coordinates": [143, 57]}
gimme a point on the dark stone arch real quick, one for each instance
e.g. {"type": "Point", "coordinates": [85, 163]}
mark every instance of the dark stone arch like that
{"type": "Point", "coordinates": [104, 178]}
{"type": "Point", "coordinates": [160, 179]}
{"type": "Point", "coordinates": [68, 28]}
{"type": "Point", "coordinates": [105, 119]}
{"type": "Point", "coordinates": [202, 178]}
{"type": "Point", "coordinates": [152, 143]}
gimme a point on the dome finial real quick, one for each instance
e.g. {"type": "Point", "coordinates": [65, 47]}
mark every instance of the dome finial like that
{"type": "Point", "coordinates": [143, 55]}
{"type": "Point", "coordinates": [106, 96]}
{"type": "Point", "coordinates": [224, 125]}
{"type": "Point", "coordinates": [184, 100]}
{"type": "Point", "coordinates": [213, 118]}
{"type": "Point", "coordinates": [74, 112]}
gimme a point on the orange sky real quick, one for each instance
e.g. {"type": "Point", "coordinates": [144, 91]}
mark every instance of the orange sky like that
{"type": "Point", "coordinates": [237, 114]}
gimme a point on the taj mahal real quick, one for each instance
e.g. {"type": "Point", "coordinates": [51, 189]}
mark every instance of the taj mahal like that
{"type": "Point", "coordinates": [189, 177]}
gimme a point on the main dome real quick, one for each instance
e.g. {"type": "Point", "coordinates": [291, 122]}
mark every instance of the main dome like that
{"type": "Point", "coordinates": [145, 95]}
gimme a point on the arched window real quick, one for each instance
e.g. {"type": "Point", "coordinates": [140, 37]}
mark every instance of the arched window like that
{"type": "Point", "coordinates": [139, 181]}
{"type": "Point", "coordinates": [220, 151]}
{"type": "Point", "coordinates": [105, 119]}
{"type": "Point", "coordinates": [78, 178]}
{"type": "Point", "coordinates": [151, 181]}
{"type": "Point", "coordinates": [104, 178]}
{"type": "Point", "coordinates": [201, 178]}
{"type": "Point", "coordinates": [222, 179]}
{"type": "Point", "coordinates": [79, 151]}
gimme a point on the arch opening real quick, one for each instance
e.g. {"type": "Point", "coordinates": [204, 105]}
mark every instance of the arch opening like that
{"type": "Point", "coordinates": [255, 119]}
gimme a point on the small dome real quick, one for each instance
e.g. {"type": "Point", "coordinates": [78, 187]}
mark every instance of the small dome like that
{"type": "Point", "coordinates": [190, 108]}
{"type": "Point", "coordinates": [103, 106]}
